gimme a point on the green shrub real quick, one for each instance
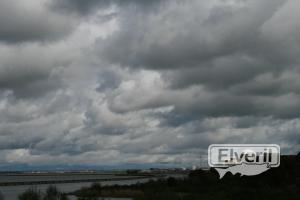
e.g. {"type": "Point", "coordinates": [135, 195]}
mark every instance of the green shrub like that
{"type": "Point", "coordinates": [52, 193]}
{"type": "Point", "coordinates": [1, 196]}
{"type": "Point", "coordinates": [30, 194]}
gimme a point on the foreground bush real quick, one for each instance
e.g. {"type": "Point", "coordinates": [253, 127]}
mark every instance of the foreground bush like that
{"type": "Point", "coordinates": [52, 193]}
{"type": "Point", "coordinates": [30, 194]}
{"type": "Point", "coordinates": [275, 184]}
{"type": "Point", "coordinates": [1, 196]}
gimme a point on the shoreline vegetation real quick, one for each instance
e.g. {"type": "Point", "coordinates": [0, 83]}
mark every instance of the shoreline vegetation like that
{"type": "Point", "coordinates": [277, 183]}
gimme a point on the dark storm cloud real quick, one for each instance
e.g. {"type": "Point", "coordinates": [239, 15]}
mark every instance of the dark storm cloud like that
{"type": "Point", "coordinates": [28, 84]}
{"type": "Point", "coordinates": [179, 37]}
{"type": "Point", "coordinates": [108, 80]}
{"type": "Point", "coordinates": [30, 71]}
{"type": "Point", "coordinates": [81, 6]}
{"type": "Point", "coordinates": [229, 49]}
{"type": "Point", "coordinates": [146, 81]}
{"type": "Point", "coordinates": [12, 141]}
{"type": "Point", "coordinates": [221, 73]}
{"type": "Point", "coordinates": [27, 21]}
{"type": "Point", "coordinates": [86, 7]}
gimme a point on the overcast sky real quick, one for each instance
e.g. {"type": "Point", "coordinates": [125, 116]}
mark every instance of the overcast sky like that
{"type": "Point", "coordinates": [134, 81]}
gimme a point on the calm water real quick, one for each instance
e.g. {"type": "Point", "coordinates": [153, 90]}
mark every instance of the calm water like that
{"type": "Point", "coordinates": [12, 192]}
{"type": "Point", "coordinates": [30, 178]}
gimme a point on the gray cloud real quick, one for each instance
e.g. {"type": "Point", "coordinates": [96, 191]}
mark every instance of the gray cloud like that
{"type": "Point", "coordinates": [88, 7]}
{"type": "Point", "coordinates": [146, 82]}
{"type": "Point", "coordinates": [181, 37]}
{"type": "Point", "coordinates": [30, 85]}
{"type": "Point", "coordinates": [22, 21]}
{"type": "Point", "coordinates": [226, 50]}
{"type": "Point", "coordinates": [108, 80]}
{"type": "Point", "coordinates": [31, 70]}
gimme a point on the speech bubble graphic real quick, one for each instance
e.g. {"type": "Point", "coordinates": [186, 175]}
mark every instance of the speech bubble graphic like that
{"type": "Point", "coordinates": [244, 159]}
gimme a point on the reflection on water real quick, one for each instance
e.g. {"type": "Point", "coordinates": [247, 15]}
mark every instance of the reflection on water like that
{"type": "Point", "coordinates": [12, 192]}
{"type": "Point", "coordinates": [74, 198]}
{"type": "Point", "coordinates": [108, 198]}
{"type": "Point", "coordinates": [58, 177]}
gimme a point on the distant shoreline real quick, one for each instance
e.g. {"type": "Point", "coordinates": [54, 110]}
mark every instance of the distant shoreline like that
{"type": "Point", "coordinates": [78, 178]}
{"type": "Point", "coordinates": [4, 184]}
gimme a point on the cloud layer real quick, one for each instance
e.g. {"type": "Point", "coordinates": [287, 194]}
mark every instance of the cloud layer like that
{"type": "Point", "coordinates": [109, 82]}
